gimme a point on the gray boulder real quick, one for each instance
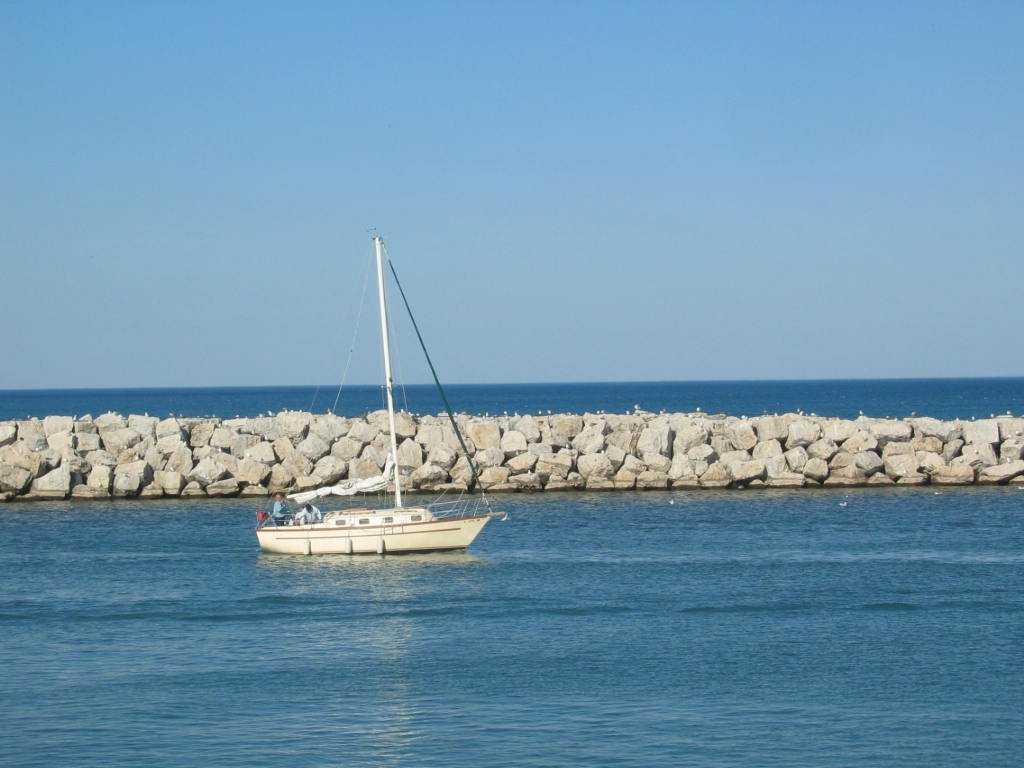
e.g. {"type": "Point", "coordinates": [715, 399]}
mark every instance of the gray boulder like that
{"type": "Point", "coordinates": [14, 479]}
{"type": "Point", "coordinates": [55, 484]}
{"type": "Point", "coordinates": [802, 433]}
{"type": "Point", "coordinates": [741, 435]}
{"type": "Point", "coordinates": [1001, 473]}
{"type": "Point", "coordinates": [981, 432]}
{"type": "Point", "coordinates": [293, 424]}
{"type": "Point", "coordinates": [953, 474]}
{"type": "Point", "coordinates": [816, 469]}
{"type": "Point", "coordinates": [313, 447]}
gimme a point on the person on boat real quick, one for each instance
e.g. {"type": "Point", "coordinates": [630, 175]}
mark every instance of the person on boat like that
{"type": "Point", "coordinates": [308, 514]}
{"type": "Point", "coordinates": [280, 508]}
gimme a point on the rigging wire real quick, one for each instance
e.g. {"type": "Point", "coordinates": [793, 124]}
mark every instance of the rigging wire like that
{"type": "Point", "coordinates": [355, 334]}
{"type": "Point", "coordinates": [440, 389]}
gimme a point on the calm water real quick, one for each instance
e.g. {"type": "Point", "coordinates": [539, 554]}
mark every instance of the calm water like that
{"type": "Point", "coordinates": [881, 627]}
{"type": "Point", "coordinates": [941, 398]}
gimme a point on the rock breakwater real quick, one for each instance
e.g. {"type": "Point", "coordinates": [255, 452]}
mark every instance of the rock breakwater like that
{"type": "Point", "coordinates": [143, 456]}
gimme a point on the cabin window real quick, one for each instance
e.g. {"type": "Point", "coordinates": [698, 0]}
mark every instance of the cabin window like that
{"type": "Point", "coordinates": [340, 522]}
{"type": "Point", "coordinates": [416, 518]}
{"type": "Point", "coordinates": [389, 519]}
{"type": "Point", "coordinates": [364, 521]}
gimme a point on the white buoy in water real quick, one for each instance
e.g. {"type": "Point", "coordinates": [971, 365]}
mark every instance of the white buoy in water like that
{"type": "Point", "coordinates": [348, 546]}
{"type": "Point", "coordinates": [309, 549]}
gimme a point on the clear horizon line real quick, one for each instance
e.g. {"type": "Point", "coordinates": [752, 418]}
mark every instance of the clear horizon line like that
{"type": "Point", "coordinates": [515, 384]}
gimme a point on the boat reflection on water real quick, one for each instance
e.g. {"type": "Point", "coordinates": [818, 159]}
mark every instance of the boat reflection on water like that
{"type": "Point", "coordinates": [360, 564]}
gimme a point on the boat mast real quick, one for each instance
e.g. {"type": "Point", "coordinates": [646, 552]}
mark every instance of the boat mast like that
{"type": "Point", "coordinates": [378, 244]}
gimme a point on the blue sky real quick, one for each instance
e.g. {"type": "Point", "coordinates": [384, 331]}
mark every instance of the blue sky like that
{"type": "Point", "coordinates": [569, 191]}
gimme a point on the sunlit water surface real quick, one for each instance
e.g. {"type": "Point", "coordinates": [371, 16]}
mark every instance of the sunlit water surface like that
{"type": "Point", "coordinates": [812, 628]}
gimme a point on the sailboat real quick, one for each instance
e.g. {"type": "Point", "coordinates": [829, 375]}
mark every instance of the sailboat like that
{"type": "Point", "coordinates": [361, 530]}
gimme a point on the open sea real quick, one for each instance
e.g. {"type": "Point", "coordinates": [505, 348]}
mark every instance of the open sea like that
{"type": "Point", "coordinates": [872, 627]}
{"type": "Point", "coordinates": [940, 398]}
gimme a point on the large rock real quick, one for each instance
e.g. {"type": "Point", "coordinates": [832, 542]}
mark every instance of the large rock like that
{"type": "Point", "coordinates": [180, 460]}
{"type": "Point", "coordinates": [741, 435]}
{"type": "Point", "coordinates": [802, 433]}
{"type": "Point", "coordinates": [945, 431]}
{"type": "Point", "coordinates": [816, 469]}
{"type": "Point", "coordinates": [590, 439]}
{"type": "Point", "coordinates": [254, 472]}
{"type": "Point", "coordinates": [360, 469]}
{"type": "Point", "coordinates": [294, 424]}
{"type": "Point", "coordinates": [822, 449]}
{"type": "Point", "coordinates": [868, 462]}
{"type": "Point", "coordinates": [838, 430]}
{"type": "Point", "coordinates": [982, 432]}
{"type": "Point", "coordinates": [410, 455]}
{"type": "Point", "coordinates": [54, 424]}
{"type": "Point", "coordinates": [745, 471]}
{"type": "Point", "coordinates": [889, 430]}
{"type": "Point", "coordinates": [55, 484]}
{"type": "Point", "coordinates": [101, 477]}
{"type": "Point", "coordinates": [527, 425]}
{"type": "Point", "coordinates": [655, 438]}
{"type": "Point", "coordinates": [170, 427]}
{"type": "Point", "coordinates": [32, 434]}
{"type": "Point", "coordinates": [1001, 473]}
{"type": "Point", "coordinates": [363, 432]}
{"type": "Point", "coordinates": [14, 479]}
{"type": "Point", "coordinates": [484, 433]}
{"type": "Point", "coordinates": [129, 479]}
{"type": "Point", "coordinates": [953, 474]}
{"type": "Point", "coordinates": [207, 471]}
{"type": "Point", "coordinates": [494, 476]}
{"type": "Point", "coordinates": [1011, 450]}
{"type": "Point", "coordinates": [772, 428]}
{"type": "Point", "coordinates": [491, 457]}
{"type": "Point", "coordinates": [594, 465]}
{"type": "Point", "coordinates": [110, 420]}
{"type": "Point", "coordinates": [227, 487]}
{"type": "Point", "coordinates": [716, 476]}
{"type": "Point", "coordinates": [201, 433]}
{"type": "Point", "coordinates": [524, 462]}
{"type": "Point", "coordinates": [20, 454]}
{"type": "Point", "coordinates": [1010, 427]}
{"type": "Point", "coordinates": [767, 449]}
{"type": "Point", "coordinates": [443, 456]}
{"type": "Point", "coordinates": [428, 475]}
{"type": "Point", "coordinates": [844, 466]}
{"type": "Point", "coordinates": [566, 424]}
{"type": "Point", "coordinates": [170, 482]}
{"type": "Point", "coordinates": [313, 447]}
{"type": "Point", "coordinates": [900, 465]}
{"type": "Point", "coordinates": [861, 440]}
{"type": "Point", "coordinates": [555, 465]}
{"type": "Point", "coordinates": [796, 458]}
{"type": "Point", "coordinates": [513, 443]}
{"type": "Point", "coordinates": [329, 427]}
{"type": "Point", "coordinates": [405, 425]}
{"type": "Point", "coordinates": [117, 440]}
{"type": "Point", "coordinates": [977, 455]}
{"type": "Point", "coordinates": [262, 452]}
{"type": "Point", "coordinates": [8, 433]}
{"type": "Point", "coordinates": [688, 436]}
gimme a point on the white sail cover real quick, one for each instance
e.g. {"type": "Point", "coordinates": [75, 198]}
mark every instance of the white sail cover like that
{"type": "Point", "coordinates": [350, 488]}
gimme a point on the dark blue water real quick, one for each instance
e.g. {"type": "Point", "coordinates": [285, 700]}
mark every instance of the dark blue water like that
{"type": "Point", "coordinates": [941, 398]}
{"type": "Point", "coordinates": [881, 627]}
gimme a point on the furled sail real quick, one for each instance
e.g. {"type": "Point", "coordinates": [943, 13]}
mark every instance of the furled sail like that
{"type": "Point", "coordinates": [350, 488]}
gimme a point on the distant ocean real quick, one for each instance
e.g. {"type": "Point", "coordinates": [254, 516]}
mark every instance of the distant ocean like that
{"type": "Point", "coordinates": [941, 398]}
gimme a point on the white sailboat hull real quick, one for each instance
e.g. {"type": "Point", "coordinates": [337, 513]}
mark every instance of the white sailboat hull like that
{"type": "Point", "coordinates": [435, 535]}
